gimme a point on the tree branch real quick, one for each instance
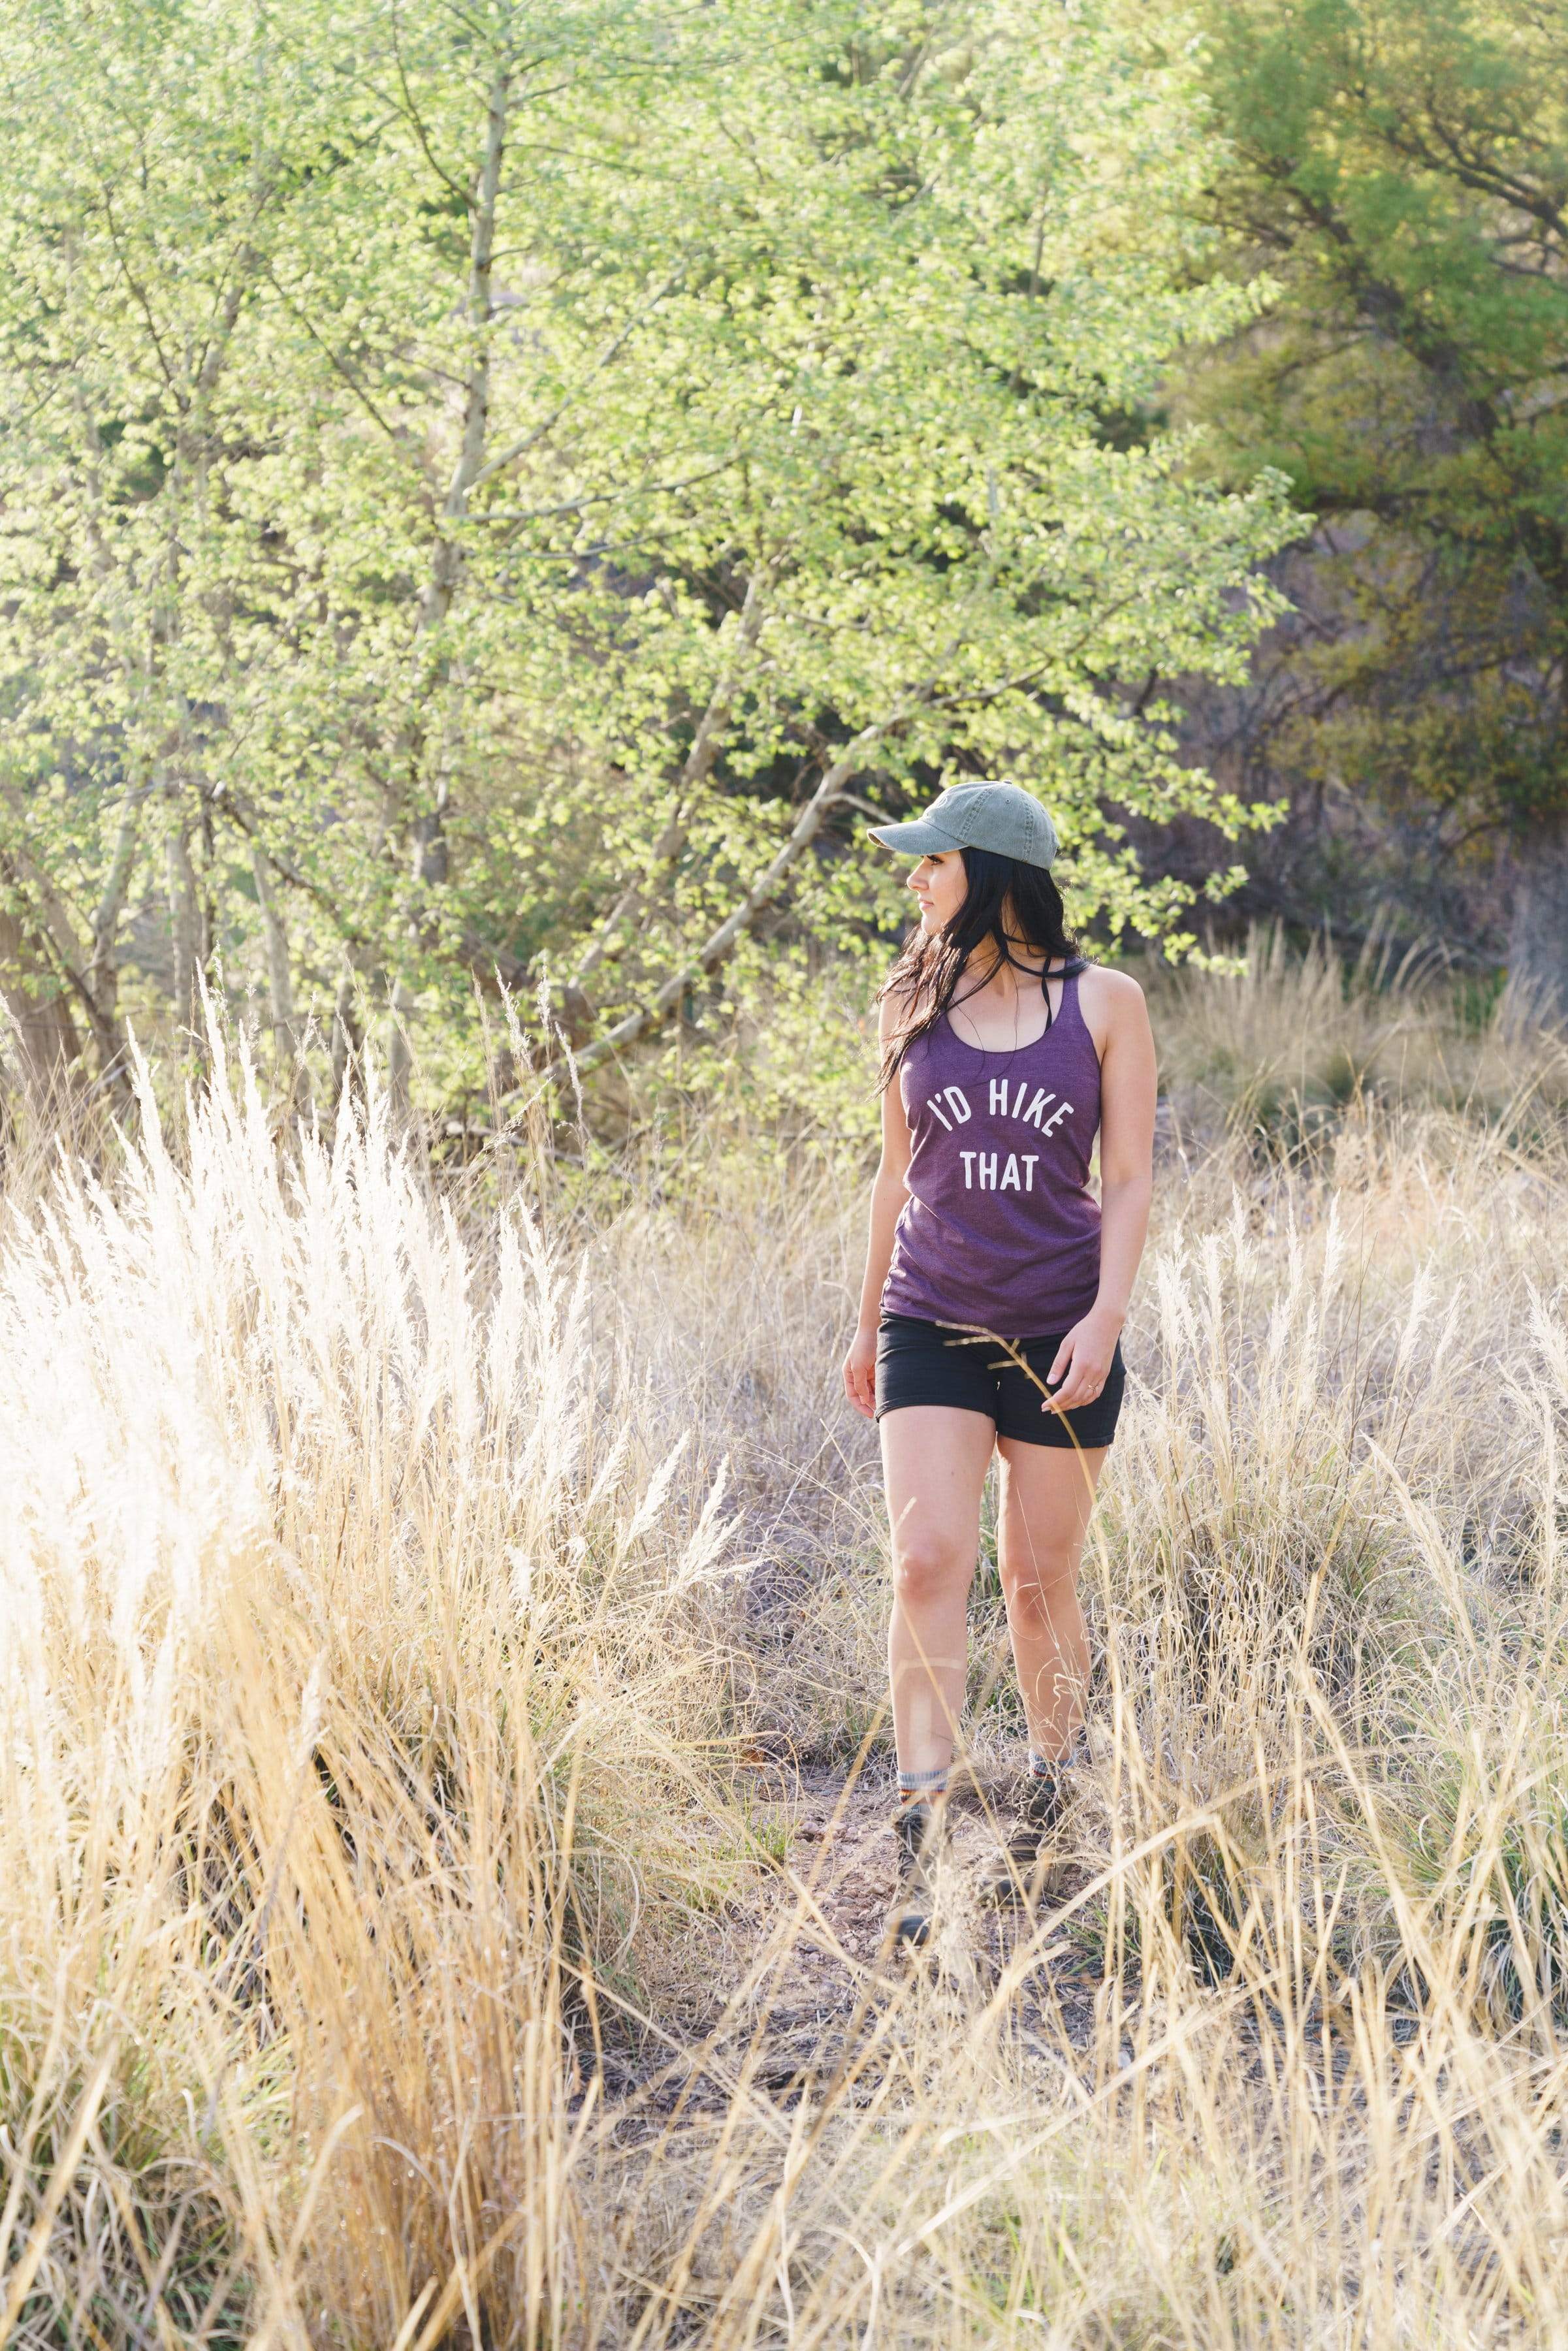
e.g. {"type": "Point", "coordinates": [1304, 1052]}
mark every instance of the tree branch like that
{"type": "Point", "coordinates": [516, 517]}
{"type": "Point", "coordinates": [717, 946]}
{"type": "Point", "coordinates": [412, 117]}
{"type": "Point", "coordinates": [366, 402]}
{"type": "Point", "coordinates": [698, 766]}
{"type": "Point", "coordinates": [531, 439]}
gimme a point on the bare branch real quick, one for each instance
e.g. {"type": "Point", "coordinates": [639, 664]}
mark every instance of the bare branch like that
{"type": "Point", "coordinates": [116, 887]}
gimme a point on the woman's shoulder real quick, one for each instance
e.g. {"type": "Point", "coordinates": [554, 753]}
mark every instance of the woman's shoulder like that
{"type": "Point", "coordinates": [1111, 986]}
{"type": "Point", "coordinates": [1113, 1003]}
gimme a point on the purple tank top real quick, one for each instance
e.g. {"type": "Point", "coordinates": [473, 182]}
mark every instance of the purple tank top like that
{"type": "Point", "coordinates": [1000, 1227]}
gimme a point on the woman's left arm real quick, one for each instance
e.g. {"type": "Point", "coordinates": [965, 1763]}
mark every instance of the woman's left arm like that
{"type": "Point", "coordinates": [1127, 1089]}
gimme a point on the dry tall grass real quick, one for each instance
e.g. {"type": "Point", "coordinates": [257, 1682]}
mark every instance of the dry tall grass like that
{"type": "Point", "coordinates": [399, 1943]}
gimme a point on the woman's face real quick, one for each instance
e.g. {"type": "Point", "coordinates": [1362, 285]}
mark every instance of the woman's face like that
{"type": "Point", "coordinates": [940, 883]}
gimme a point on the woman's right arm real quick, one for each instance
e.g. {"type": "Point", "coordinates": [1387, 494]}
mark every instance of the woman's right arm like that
{"type": "Point", "coordinates": [888, 1193]}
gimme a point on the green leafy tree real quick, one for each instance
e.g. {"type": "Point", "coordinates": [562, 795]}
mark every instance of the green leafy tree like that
{"type": "Point", "coordinates": [1400, 169]}
{"type": "Point", "coordinates": [248, 344]}
{"type": "Point", "coordinates": [501, 493]}
{"type": "Point", "coordinates": [929, 282]}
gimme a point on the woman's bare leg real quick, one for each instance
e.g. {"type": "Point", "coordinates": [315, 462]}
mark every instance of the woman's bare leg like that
{"type": "Point", "coordinates": [1046, 1497]}
{"type": "Point", "coordinates": [935, 1458]}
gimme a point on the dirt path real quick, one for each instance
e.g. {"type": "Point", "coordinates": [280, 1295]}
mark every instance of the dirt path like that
{"type": "Point", "coordinates": [818, 1969]}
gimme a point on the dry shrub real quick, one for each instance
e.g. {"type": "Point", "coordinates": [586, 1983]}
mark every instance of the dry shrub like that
{"type": "Point", "coordinates": [1276, 1050]}
{"type": "Point", "coordinates": [387, 1957]}
{"type": "Point", "coordinates": [361, 1680]}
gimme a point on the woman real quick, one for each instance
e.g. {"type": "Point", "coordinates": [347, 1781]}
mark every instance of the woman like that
{"type": "Point", "coordinates": [1010, 1050]}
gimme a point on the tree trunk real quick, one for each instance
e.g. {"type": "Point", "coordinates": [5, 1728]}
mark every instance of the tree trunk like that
{"type": "Point", "coordinates": [103, 972]}
{"type": "Point", "coordinates": [399, 1052]}
{"type": "Point", "coordinates": [345, 1035]}
{"type": "Point", "coordinates": [53, 935]}
{"type": "Point", "coordinates": [42, 1045]}
{"type": "Point", "coordinates": [441, 588]}
{"type": "Point", "coordinates": [429, 865]}
{"type": "Point", "coordinates": [182, 928]}
{"type": "Point", "coordinates": [1538, 946]}
{"type": "Point", "coordinates": [279, 978]}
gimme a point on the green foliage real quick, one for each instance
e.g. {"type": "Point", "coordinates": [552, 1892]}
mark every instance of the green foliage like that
{"type": "Point", "coordinates": [506, 495]}
{"type": "Point", "coordinates": [1400, 174]}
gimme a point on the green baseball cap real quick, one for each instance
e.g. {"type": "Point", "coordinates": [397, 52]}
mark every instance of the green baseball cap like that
{"type": "Point", "coordinates": [1001, 817]}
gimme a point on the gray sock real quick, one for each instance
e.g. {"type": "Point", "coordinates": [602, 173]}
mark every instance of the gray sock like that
{"type": "Point", "coordinates": [1072, 1758]}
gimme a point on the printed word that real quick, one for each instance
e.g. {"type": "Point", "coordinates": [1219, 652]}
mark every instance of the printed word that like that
{"type": "Point", "coordinates": [986, 1179]}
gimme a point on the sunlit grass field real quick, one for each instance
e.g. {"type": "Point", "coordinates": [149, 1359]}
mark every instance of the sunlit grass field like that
{"type": "Point", "coordinates": [430, 1606]}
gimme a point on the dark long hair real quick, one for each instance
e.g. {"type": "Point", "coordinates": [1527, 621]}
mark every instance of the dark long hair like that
{"type": "Point", "coordinates": [922, 981]}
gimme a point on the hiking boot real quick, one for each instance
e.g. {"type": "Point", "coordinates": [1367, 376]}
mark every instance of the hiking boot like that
{"type": "Point", "coordinates": [918, 1830]}
{"type": "Point", "coordinates": [1017, 1870]}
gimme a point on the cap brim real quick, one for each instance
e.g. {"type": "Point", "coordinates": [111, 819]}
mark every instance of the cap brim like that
{"type": "Point", "coordinates": [919, 838]}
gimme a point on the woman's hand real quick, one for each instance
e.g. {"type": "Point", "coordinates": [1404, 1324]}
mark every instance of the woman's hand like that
{"type": "Point", "coordinates": [860, 1373]}
{"type": "Point", "coordinates": [1083, 1362]}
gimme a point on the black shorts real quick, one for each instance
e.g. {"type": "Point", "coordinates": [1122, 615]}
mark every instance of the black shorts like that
{"type": "Point", "coordinates": [920, 1362]}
